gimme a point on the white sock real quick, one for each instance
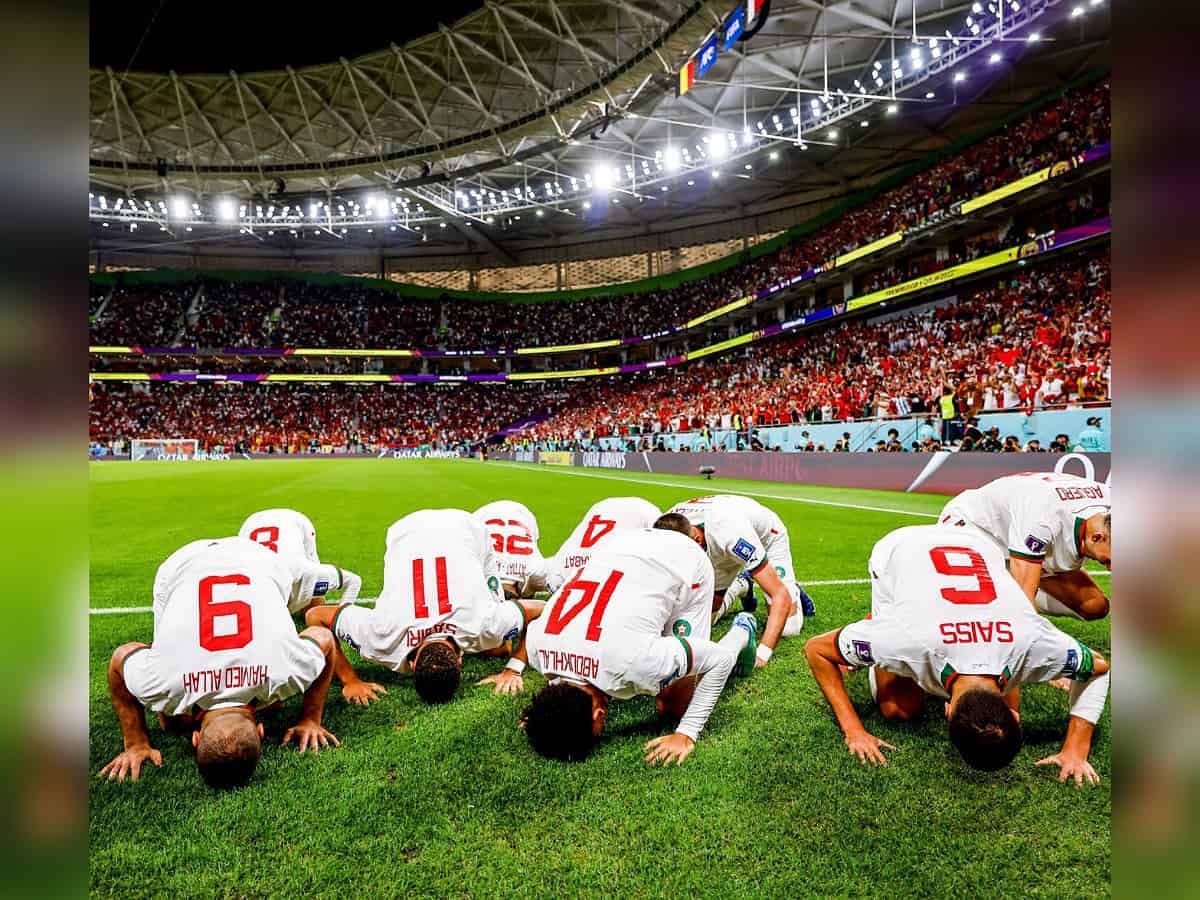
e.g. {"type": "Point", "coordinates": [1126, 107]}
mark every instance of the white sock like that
{"type": "Point", "coordinates": [726, 603]}
{"type": "Point", "coordinates": [736, 639]}
{"type": "Point", "coordinates": [794, 623]}
{"type": "Point", "coordinates": [874, 686]}
{"type": "Point", "coordinates": [1052, 607]}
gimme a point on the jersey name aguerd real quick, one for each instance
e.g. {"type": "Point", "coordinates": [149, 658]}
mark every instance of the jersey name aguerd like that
{"type": "Point", "coordinates": [976, 632]}
{"type": "Point", "coordinates": [1080, 493]}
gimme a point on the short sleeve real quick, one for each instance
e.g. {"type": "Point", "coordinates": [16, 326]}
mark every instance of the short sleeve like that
{"type": "Point", "coordinates": [741, 541]}
{"type": "Point", "coordinates": [353, 625]}
{"type": "Point", "coordinates": [1055, 654]}
{"type": "Point", "coordinates": [505, 622]}
{"type": "Point", "coordinates": [867, 642]}
{"type": "Point", "coordinates": [305, 663]}
{"type": "Point", "coordinates": [1030, 533]}
{"type": "Point", "coordinates": [144, 678]}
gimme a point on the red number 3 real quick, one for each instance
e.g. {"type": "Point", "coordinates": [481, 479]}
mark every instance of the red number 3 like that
{"type": "Point", "coordinates": [209, 610]}
{"type": "Point", "coordinates": [975, 567]}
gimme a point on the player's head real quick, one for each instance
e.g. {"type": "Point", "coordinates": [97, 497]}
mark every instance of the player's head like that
{"type": "Point", "coordinates": [1097, 539]}
{"type": "Point", "coordinates": [983, 728]}
{"type": "Point", "coordinates": [680, 523]}
{"type": "Point", "coordinates": [563, 720]}
{"type": "Point", "coordinates": [437, 670]}
{"type": "Point", "coordinates": [228, 745]}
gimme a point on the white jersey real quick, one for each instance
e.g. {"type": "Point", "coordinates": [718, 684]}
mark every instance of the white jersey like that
{"type": "Point", "coordinates": [439, 579]}
{"type": "Point", "coordinates": [1035, 516]}
{"type": "Point", "coordinates": [222, 636]}
{"type": "Point", "coordinates": [944, 605]}
{"type": "Point", "coordinates": [625, 621]}
{"type": "Point", "coordinates": [291, 535]}
{"type": "Point", "coordinates": [605, 518]}
{"type": "Point", "coordinates": [736, 530]}
{"type": "Point", "coordinates": [513, 530]}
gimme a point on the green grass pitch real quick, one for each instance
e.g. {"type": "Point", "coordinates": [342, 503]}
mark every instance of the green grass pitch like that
{"type": "Point", "coordinates": [451, 802]}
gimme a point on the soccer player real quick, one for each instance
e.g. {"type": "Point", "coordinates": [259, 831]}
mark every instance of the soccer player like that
{"type": "Point", "coordinates": [441, 598]}
{"type": "Point", "coordinates": [224, 649]}
{"type": "Point", "coordinates": [291, 534]}
{"type": "Point", "coordinates": [513, 530]}
{"type": "Point", "coordinates": [605, 518]}
{"type": "Point", "coordinates": [738, 534]}
{"type": "Point", "coordinates": [948, 620]}
{"type": "Point", "coordinates": [635, 620]}
{"type": "Point", "coordinates": [1047, 525]}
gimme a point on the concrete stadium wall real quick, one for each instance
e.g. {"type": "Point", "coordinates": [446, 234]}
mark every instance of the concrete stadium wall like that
{"type": "Point", "coordinates": [938, 473]}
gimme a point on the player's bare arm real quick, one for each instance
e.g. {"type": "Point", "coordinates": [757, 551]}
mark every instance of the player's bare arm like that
{"type": "Point", "coordinates": [354, 689]}
{"type": "Point", "coordinates": [509, 680]}
{"type": "Point", "coordinates": [308, 731]}
{"type": "Point", "coordinates": [132, 717]}
{"type": "Point", "coordinates": [823, 660]}
{"type": "Point", "coordinates": [1072, 759]}
{"type": "Point", "coordinates": [1028, 574]}
{"type": "Point", "coordinates": [781, 608]}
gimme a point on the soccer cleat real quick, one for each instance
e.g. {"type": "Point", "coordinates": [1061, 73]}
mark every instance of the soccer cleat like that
{"type": "Point", "coordinates": [745, 660]}
{"type": "Point", "coordinates": [745, 589]}
{"type": "Point", "coordinates": [806, 604]}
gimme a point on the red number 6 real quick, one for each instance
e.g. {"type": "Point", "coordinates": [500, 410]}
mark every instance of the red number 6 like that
{"type": "Point", "coordinates": [976, 567]}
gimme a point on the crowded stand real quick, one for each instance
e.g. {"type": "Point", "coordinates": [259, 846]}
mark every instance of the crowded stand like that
{"type": "Point", "coordinates": [1036, 338]}
{"type": "Point", "coordinates": [279, 313]}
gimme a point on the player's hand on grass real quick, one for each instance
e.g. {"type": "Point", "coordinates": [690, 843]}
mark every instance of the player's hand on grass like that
{"type": "Point", "coordinates": [759, 662]}
{"type": "Point", "coordinates": [130, 763]}
{"type": "Point", "coordinates": [867, 748]}
{"type": "Point", "coordinates": [362, 692]}
{"type": "Point", "coordinates": [506, 682]}
{"type": "Point", "coordinates": [309, 734]}
{"type": "Point", "coordinates": [670, 748]}
{"type": "Point", "coordinates": [1071, 766]}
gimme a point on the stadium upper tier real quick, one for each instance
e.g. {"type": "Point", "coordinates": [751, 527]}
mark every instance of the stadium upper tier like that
{"type": "Point", "coordinates": [271, 316]}
{"type": "Point", "coordinates": [1035, 338]}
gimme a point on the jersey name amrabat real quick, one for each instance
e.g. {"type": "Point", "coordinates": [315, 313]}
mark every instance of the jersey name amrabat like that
{"type": "Point", "coordinates": [1035, 516]}
{"type": "Point", "coordinates": [736, 531]}
{"type": "Point", "coordinates": [439, 578]}
{"type": "Point", "coordinates": [624, 622]}
{"type": "Point", "coordinates": [601, 522]}
{"type": "Point", "coordinates": [944, 605]}
{"type": "Point", "coordinates": [222, 633]}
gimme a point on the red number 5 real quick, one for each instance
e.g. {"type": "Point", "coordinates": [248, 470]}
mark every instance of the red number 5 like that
{"type": "Point", "coordinates": [975, 567]}
{"type": "Point", "coordinates": [209, 610]}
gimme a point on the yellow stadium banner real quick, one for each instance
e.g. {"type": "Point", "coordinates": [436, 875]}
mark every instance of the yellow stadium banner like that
{"type": "Point", "coordinates": [867, 249]}
{"type": "Point", "coordinates": [317, 376]}
{"type": "Point", "coordinates": [719, 311]}
{"type": "Point", "coordinates": [95, 349]}
{"type": "Point", "coordinates": [572, 373]}
{"type": "Point", "coordinates": [567, 348]}
{"type": "Point", "coordinates": [724, 345]}
{"type": "Point", "coordinates": [1013, 187]}
{"type": "Point", "coordinates": [555, 457]}
{"type": "Point", "coordinates": [119, 376]}
{"type": "Point", "coordinates": [927, 281]}
{"type": "Point", "coordinates": [322, 351]}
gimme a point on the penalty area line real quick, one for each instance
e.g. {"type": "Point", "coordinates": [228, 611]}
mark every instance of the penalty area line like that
{"type": "Point", "coordinates": [363, 601]}
{"type": "Point", "coordinates": [678, 484]}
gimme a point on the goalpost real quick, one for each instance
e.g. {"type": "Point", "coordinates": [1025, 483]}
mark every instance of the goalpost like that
{"type": "Point", "coordinates": [163, 449]}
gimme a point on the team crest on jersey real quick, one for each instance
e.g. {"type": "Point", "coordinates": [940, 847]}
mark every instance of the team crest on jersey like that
{"type": "Point", "coordinates": [321, 588]}
{"type": "Point", "coordinates": [743, 549]}
{"type": "Point", "coordinates": [493, 584]}
{"type": "Point", "coordinates": [862, 649]}
{"type": "Point", "coordinates": [1035, 544]}
{"type": "Point", "coordinates": [682, 628]}
{"type": "Point", "coordinates": [779, 571]}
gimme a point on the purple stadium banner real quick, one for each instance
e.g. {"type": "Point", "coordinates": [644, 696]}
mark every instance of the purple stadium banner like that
{"type": "Point", "coordinates": [933, 473]}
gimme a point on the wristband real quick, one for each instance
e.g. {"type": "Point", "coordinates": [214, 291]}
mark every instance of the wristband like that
{"type": "Point", "coordinates": [515, 665]}
{"type": "Point", "coordinates": [763, 652]}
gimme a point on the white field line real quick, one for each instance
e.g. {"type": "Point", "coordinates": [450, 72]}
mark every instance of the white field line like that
{"type": "Point", "coordinates": [130, 610]}
{"type": "Point", "coordinates": [678, 484]}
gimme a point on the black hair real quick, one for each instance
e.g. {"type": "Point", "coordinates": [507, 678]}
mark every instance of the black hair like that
{"type": "Point", "coordinates": [674, 522]}
{"type": "Point", "coordinates": [558, 722]}
{"type": "Point", "coordinates": [437, 673]}
{"type": "Point", "coordinates": [985, 731]}
{"type": "Point", "coordinates": [227, 755]}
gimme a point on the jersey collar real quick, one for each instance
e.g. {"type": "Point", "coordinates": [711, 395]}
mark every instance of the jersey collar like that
{"type": "Point", "coordinates": [1080, 529]}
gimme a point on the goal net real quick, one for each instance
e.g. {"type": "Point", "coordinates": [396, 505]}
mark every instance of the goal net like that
{"type": "Point", "coordinates": [163, 448]}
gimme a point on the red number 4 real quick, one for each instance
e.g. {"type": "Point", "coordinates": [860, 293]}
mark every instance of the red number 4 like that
{"type": "Point", "coordinates": [596, 529]}
{"type": "Point", "coordinates": [210, 609]}
{"type": "Point", "coordinates": [975, 567]}
{"type": "Point", "coordinates": [559, 619]}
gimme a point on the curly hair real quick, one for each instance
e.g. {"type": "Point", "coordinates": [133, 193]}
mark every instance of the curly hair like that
{"type": "Point", "coordinates": [558, 722]}
{"type": "Point", "coordinates": [437, 673]}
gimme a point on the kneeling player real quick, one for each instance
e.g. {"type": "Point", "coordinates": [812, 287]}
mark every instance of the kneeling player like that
{"type": "Point", "coordinates": [948, 620]}
{"type": "Point", "coordinates": [513, 530]}
{"type": "Point", "coordinates": [1048, 525]}
{"type": "Point", "coordinates": [224, 648]}
{"type": "Point", "coordinates": [441, 598]}
{"type": "Point", "coordinates": [634, 621]}
{"type": "Point", "coordinates": [605, 518]}
{"type": "Point", "coordinates": [291, 535]}
{"type": "Point", "coordinates": [739, 533]}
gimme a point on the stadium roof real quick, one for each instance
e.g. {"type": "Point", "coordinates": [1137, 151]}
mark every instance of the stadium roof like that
{"type": "Point", "coordinates": [519, 94]}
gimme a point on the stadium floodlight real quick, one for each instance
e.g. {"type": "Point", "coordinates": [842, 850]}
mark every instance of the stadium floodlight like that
{"type": "Point", "coordinates": [602, 178]}
{"type": "Point", "coordinates": [179, 207]}
{"type": "Point", "coordinates": [959, 76]}
{"type": "Point", "coordinates": [774, 154]}
{"type": "Point", "coordinates": [1077, 12]}
{"type": "Point", "coordinates": [691, 183]}
{"type": "Point", "coordinates": [864, 123]}
{"type": "Point", "coordinates": [1016, 7]}
{"type": "Point", "coordinates": [976, 8]}
{"type": "Point", "coordinates": [664, 188]}
{"type": "Point", "coordinates": [833, 133]}
{"type": "Point", "coordinates": [747, 137]}
{"type": "Point", "coordinates": [671, 159]}
{"type": "Point", "coordinates": [749, 167]}
{"type": "Point", "coordinates": [225, 210]}
{"type": "Point", "coordinates": [929, 95]}
{"type": "Point", "coordinates": [716, 173]}
{"type": "Point", "coordinates": [540, 213]}
{"type": "Point", "coordinates": [587, 204]}
{"type": "Point", "coordinates": [1034, 37]}
{"type": "Point", "coordinates": [718, 148]}
{"type": "Point", "coordinates": [995, 58]}
{"type": "Point", "coordinates": [892, 109]}
{"type": "Point", "coordinates": [1096, 2]}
